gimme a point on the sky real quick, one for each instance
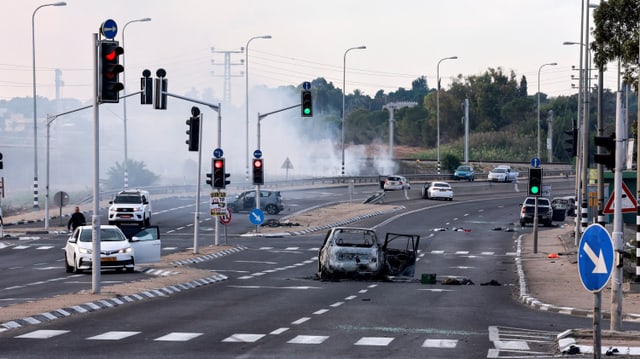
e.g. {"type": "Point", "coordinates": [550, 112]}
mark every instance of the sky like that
{"type": "Point", "coordinates": [404, 40]}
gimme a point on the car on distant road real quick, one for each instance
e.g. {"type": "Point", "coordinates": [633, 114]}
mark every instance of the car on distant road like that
{"type": "Point", "coordinates": [395, 182]}
{"type": "Point", "coordinates": [270, 201]}
{"type": "Point", "coordinates": [545, 211]}
{"type": "Point", "coordinates": [357, 252]}
{"type": "Point", "coordinates": [464, 173]}
{"type": "Point", "coordinates": [503, 174]}
{"type": "Point", "coordinates": [130, 206]}
{"type": "Point", "coordinates": [437, 189]}
{"type": "Point", "coordinates": [116, 250]}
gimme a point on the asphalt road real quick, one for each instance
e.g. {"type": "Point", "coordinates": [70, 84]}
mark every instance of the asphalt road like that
{"type": "Point", "coordinates": [272, 305]}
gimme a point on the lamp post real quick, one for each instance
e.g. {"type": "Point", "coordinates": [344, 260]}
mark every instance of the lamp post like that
{"type": "Point", "coordinates": [344, 91]}
{"type": "Point", "coordinates": [124, 104]}
{"type": "Point", "coordinates": [540, 68]}
{"type": "Point", "coordinates": [438, 106]}
{"type": "Point", "coordinates": [246, 99]}
{"type": "Point", "coordinates": [35, 115]}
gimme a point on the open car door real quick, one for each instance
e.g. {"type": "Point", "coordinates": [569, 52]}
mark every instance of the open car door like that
{"type": "Point", "coordinates": [400, 253]}
{"type": "Point", "coordinates": [146, 245]}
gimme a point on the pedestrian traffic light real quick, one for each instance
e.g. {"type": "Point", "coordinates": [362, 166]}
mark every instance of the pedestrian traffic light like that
{"type": "Point", "coordinates": [146, 86]}
{"type": "Point", "coordinates": [258, 171]}
{"type": "Point", "coordinates": [609, 157]}
{"type": "Point", "coordinates": [219, 176]}
{"type": "Point", "coordinates": [572, 140]}
{"type": "Point", "coordinates": [194, 130]}
{"type": "Point", "coordinates": [109, 86]}
{"type": "Point", "coordinates": [307, 105]}
{"type": "Point", "coordinates": [535, 181]}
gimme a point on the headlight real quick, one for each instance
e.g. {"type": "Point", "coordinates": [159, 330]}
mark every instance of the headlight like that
{"type": "Point", "coordinates": [84, 250]}
{"type": "Point", "coordinates": [125, 250]}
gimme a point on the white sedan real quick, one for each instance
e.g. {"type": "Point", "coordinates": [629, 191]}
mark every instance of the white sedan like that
{"type": "Point", "coordinates": [442, 190]}
{"type": "Point", "coordinates": [116, 250]}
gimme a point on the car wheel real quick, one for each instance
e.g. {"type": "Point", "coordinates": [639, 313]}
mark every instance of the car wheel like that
{"type": "Point", "coordinates": [67, 267]}
{"type": "Point", "coordinates": [272, 209]}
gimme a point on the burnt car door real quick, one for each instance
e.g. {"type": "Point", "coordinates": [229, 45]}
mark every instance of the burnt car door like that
{"type": "Point", "coordinates": [400, 253]}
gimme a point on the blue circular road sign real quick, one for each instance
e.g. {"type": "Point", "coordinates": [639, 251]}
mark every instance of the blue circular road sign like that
{"type": "Point", "coordinates": [257, 153]}
{"type": "Point", "coordinates": [217, 153]}
{"type": "Point", "coordinates": [109, 29]}
{"type": "Point", "coordinates": [535, 162]}
{"type": "Point", "coordinates": [306, 85]}
{"type": "Point", "coordinates": [595, 258]}
{"type": "Point", "coordinates": [256, 216]}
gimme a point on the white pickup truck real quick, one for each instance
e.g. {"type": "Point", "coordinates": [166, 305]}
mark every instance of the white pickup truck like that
{"type": "Point", "coordinates": [503, 173]}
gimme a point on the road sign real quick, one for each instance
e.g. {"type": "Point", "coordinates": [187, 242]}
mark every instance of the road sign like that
{"type": "Point", "coordinates": [109, 29]}
{"type": "Point", "coordinates": [226, 218]}
{"type": "Point", "coordinates": [257, 153]}
{"type": "Point", "coordinates": [595, 258]}
{"type": "Point", "coordinates": [306, 85]}
{"type": "Point", "coordinates": [217, 153]}
{"type": "Point", "coordinates": [629, 203]}
{"type": "Point", "coordinates": [256, 216]}
{"type": "Point", "coordinates": [535, 162]}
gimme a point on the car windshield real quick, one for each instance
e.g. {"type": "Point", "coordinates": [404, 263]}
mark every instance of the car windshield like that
{"type": "Point", "coordinates": [127, 199]}
{"type": "Point", "coordinates": [464, 168]}
{"type": "Point", "coordinates": [499, 170]}
{"type": "Point", "coordinates": [441, 185]}
{"type": "Point", "coordinates": [106, 235]}
{"type": "Point", "coordinates": [354, 238]}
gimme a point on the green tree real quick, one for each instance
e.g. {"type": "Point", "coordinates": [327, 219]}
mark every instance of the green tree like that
{"type": "Point", "coordinates": [139, 175]}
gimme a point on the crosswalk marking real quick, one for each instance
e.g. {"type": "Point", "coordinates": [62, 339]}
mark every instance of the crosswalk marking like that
{"type": "Point", "coordinates": [243, 338]}
{"type": "Point", "coordinates": [308, 339]}
{"type": "Point", "coordinates": [440, 343]}
{"type": "Point", "coordinates": [374, 341]}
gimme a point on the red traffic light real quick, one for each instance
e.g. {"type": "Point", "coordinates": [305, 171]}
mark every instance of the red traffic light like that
{"type": "Point", "coordinates": [257, 163]}
{"type": "Point", "coordinates": [218, 164]}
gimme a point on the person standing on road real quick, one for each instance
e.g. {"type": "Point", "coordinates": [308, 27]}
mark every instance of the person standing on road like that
{"type": "Point", "coordinates": [77, 219]}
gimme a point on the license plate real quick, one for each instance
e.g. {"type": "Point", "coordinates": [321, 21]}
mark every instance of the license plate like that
{"type": "Point", "coordinates": [125, 216]}
{"type": "Point", "coordinates": [108, 259]}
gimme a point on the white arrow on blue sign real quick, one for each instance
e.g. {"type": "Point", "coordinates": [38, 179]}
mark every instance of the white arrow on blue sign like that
{"type": "Point", "coordinates": [256, 216]}
{"type": "Point", "coordinates": [595, 258]}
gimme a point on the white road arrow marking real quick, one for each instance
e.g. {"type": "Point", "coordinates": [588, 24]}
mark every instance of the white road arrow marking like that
{"type": "Point", "coordinates": [600, 265]}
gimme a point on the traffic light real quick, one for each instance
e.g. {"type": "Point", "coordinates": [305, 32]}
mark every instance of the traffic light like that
{"type": "Point", "coordinates": [194, 130]}
{"type": "Point", "coordinates": [160, 90]}
{"type": "Point", "coordinates": [210, 179]}
{"type": "Point", "coordinates": [110, 86]}
{"type": "Point", "coordinates": [609, 157]}
{"type": "Point", "coordinates": [146, 86]}
{"type": "Point", "coordinates": [307, 106]}
{"type": "Point", "coordinates": [219, 175]}
{"type": "Point", "coordinates": [258, 171]}
{"type": "Point", "coordinates": [1, 160]}
{"type": "Point", "coordinates": [572, 140]}
{"type": "Point", "coordinates": [535, 181]}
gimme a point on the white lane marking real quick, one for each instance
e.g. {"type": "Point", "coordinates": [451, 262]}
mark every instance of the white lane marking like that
{"type": "Point", "coordinates": [308, 339]}
{"type": "Point", "coordinates": [178, 337]}
{"type": "Point", "coordinates": [243, 338]}
{"type": "Point", "coordinates": [42, 334]}
{"type": "Point", "coordinates": [375, 341]}
{"type": "Point", "coordinates": [279, 331]}
{"type": "Point", "coordinates": [440, 343]}
{"type": "Point", "coordinates": [114, 335]}
{"type": "Point", "coordinates": [300, 321]}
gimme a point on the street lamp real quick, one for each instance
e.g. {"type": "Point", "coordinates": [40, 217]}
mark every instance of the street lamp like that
{"type": "Point", "coordinates": [124, 104]}
{"type": "Point", "coordinates": [246, 99]}
{"type": "Point", "coordinates": [438, 106]}
{"type": "Point", "coordinates": [344, 91]}
{"type": "Point", "coordinates": [540, 68]}
{"type": "Point", "coordinates": [35, 115]}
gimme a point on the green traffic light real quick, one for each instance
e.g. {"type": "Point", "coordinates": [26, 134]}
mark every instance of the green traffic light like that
{"type": "Point", "coordinates": [535, 189]}
{"type": "Point", "coordinates": [307, 111]}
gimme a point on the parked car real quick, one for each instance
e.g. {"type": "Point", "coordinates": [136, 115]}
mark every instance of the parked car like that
{"type": "Point", "coordinates": [560, 208]}
{"type": "Point", "coordinates": [503, 174]}
{"type": "Point", "coordinates": [130, 206]}
{"type": "Point", "coordinates": [116, 250]}
{"type": "Point", "coordinates": [432, 190]}
{"type": "Point", "coordinates": [357, 252]}
{"type": "Point", "coordinates": [392, 183]}
{"type": "Point", "coordinates": [464, 173]}
{"type": "Point", "coordinates": [270, 201]}
{"type": "Point", "coordinates": [545, 211]}
{"type": "Point", "coordinates": [571, 205]}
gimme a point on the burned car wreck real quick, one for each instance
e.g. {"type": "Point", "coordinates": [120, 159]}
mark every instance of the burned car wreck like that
{"type": "Point", "coordinates": [349, 252]}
